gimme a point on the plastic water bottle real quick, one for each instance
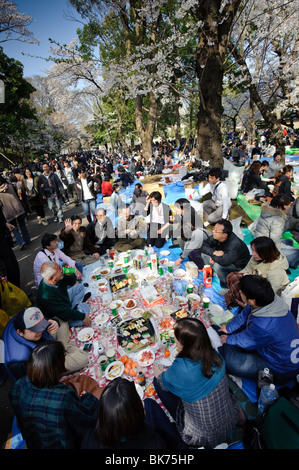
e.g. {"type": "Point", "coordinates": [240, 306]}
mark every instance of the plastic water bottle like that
{"type": "Point", "coordinates": [268, 395]}
{"type": "Point", "coordinates": [264, 378]}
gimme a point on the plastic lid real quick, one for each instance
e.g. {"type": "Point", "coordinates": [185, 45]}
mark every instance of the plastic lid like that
{"type": "Point", "coordinates": [272, 386]}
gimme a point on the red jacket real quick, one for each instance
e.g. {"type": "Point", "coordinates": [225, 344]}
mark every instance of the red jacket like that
{"type": "Point", "coordinates": [107, 188]}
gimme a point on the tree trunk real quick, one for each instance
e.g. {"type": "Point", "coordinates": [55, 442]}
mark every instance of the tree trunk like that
{"type": "Point", "coordinates": [213, 37]}
{"type": "Point", "coordinates": [146, 131]}
{"type": "Point", "coordinates": [268, 116]}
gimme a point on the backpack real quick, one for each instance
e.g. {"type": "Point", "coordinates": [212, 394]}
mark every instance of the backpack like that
{"type": "Point", "coordinates": [280, 428]}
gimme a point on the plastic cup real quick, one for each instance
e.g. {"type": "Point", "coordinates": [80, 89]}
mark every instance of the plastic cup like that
{"type": "Point", "coordinates": [170, 266]}
{"type": "Point", "coordinates": [125, 269]}
{"type": "Point", "coordinates": [110, 264]}
{"type": "Point", "coordinates": [126, 258]}
{"type": "Point", "coordinates": [113, 307]}
{"type": "Point", "coordinates": [171, 336]}
{"type": "Point", "coordinates": [206, 302]}
{"type": "Point", "coordinates": [190, 289]}
{"type": "Point", "coordinates": [111, 355]}
{"type": "Point", "coordinates": [103, 361]}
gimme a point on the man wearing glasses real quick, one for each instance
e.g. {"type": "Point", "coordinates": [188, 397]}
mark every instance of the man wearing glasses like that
{"type": "Point", "coordinates": [223, 250]}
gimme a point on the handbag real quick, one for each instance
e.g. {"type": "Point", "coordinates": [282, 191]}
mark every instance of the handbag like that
{"type": "Point", "coordinates": [84, 383]}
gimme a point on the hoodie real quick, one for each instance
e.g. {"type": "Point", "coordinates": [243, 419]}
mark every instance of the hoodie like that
{"type": "Point", "coordinates": [270, 331]}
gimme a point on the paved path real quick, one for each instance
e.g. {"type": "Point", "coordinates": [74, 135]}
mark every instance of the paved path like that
{"type": "Point", "coordinates": [25, 259]}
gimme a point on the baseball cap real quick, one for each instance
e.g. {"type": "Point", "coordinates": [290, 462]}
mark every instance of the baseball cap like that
{"type": "Point", "coordinates": [34, 320]}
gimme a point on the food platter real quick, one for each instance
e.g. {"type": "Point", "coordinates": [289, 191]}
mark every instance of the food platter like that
{"type": "Point", "coordinates": [114, 370]}
{"type": "Point", "coordinates": [86, 334]}
{"type": "Point", "coordinates": [146, 357]}
{"type": "Point", "coordinates": [124, 280]}
{"type": "Point", "coordinates": [101, 318]}
{"type": "Point", "coordinates": [182, 313]}
{"type": "Point", "coordinates": [136, 334]}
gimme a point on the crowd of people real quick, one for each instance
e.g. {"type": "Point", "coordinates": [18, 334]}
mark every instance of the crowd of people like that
{"type": "Point", "coordinates": [55, 413]}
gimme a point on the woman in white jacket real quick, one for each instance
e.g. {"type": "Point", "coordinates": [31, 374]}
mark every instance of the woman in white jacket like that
{"type": "Point", "coordinates": [272, 224]}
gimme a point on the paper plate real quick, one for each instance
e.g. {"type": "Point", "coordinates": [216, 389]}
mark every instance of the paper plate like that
{"type": "Point", "coordinates": [165, 253]}
{"type": "Point", "coordinates": [101, 318]}
{"type": "Point", "coordinates": [179, 273]}
{"type": "Point", "coordinates": [86, 334]}
{"type": "Point", "coordinates": [146, 357]}
{"type": "Point", "coordinates": [136, 313]}
{"type": "Point", "coordinates": [127, 301]}
{"type": "Point", "coordinates": [139, 390]}
{"type": "Point", "coordinates": [104, 271]}
{"type": "Point", "coordinates": [114, 370]}
{"type": "Point", "coordinates": [102, 282]}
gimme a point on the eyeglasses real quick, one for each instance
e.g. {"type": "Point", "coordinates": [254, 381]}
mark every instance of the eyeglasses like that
{"type": "Point", "coordinates": [217, 231]}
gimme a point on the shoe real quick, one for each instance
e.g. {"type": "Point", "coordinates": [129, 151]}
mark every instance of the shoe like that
{"type": "Point", "coordinates": [22, 246]}
{"type": "Point", "coordinates": [61, 221]}
{"type": "Point", "coordinates": [174, 246]}
{"type": "Point", "coordinates": [39, 219]}
{"type": "Point", "coordinates": [86, 296]}
{"type": "Point", "coordinates": [44, 222]}
{"type": "Point", "coordinates": [55, 219]}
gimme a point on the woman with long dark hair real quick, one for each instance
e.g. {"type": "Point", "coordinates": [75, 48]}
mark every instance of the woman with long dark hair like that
{"type": "Point", "coordinates": [30, 188]}
{"type": "Point", "coordinates": [125, 422]}
{"type": "Point", "coordinates": [195, 390]}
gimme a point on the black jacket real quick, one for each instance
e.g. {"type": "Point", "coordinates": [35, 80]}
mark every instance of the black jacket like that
{"type": "Point", "coordinates": [235, 251]}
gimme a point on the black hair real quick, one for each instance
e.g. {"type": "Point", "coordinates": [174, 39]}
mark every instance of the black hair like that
{"type": "Point", "coordinates": [121, 414]}
{"type": "Point", "coordinates": [266, 249]}
{"type": "Point", "coordinates": [215, 172]}
{"type": "Point", "coordinates": [280, 200]}
{"type": "Point", "coordinates": [47, 239]}
{"type": "Point", "coordinates": [257, 288]}
{"type": "Point", "coordinates": [227, 226]}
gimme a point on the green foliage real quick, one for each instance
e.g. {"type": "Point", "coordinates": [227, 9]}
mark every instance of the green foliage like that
{"type": "Point", "coordinates": [17, 110]}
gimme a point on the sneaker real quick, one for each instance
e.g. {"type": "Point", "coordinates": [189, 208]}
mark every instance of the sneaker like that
{"type": "Point", "coordinates": [44, 222]}
{"type": "Point", "coordinates": [55, 219]}
{"type": "Point", "coordinates": [61, 221]}
{"type": "Point", "coordinates": [206, 223]}
{"type": "Point", "coordinates": [23, 246]}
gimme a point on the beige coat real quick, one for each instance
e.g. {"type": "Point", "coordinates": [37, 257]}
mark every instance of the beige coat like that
{"type": "Point", "coordinates": [275, 272]}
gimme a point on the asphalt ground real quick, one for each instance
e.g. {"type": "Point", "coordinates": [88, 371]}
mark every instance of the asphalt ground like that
{"type": "Point", "coordinates": [25, 259]}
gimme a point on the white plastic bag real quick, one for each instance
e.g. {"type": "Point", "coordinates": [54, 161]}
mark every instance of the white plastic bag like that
{"type": "Point", "coordinates": [290, 292]}
{"type": "Point", "coordinates": [236, 227]}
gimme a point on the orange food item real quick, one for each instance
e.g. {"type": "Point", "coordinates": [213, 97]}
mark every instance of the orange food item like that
{"type": "Point", "coordinates": [124, 359]}
{"type": "Point", "coordinates": [134, 364]}
{"type": "Point", "coordinates": [150, 391]}
{"type": "Point", "coordinates": [126, 370]}
{"type": "Point", "coordinates": [166, 353]}
{"type": "Point", "coordinates": [132, 372]}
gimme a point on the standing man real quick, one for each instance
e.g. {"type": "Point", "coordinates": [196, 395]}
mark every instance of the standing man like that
{"type": "Point", "coordinates": [219, 205]}
{"type": "Point", "coordinates": [51, 189]}
{"type": "Point", "coordinates": [71, 176]}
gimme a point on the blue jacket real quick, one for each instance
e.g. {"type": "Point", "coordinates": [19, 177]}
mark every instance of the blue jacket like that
{"type": "Point", "coordinates": [272, 332]}
{"type": "Point", "coordinates": [17, 350]}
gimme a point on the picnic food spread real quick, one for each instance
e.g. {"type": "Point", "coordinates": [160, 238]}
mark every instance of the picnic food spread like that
{"type": "Point", "coordinates": [134, 316]}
